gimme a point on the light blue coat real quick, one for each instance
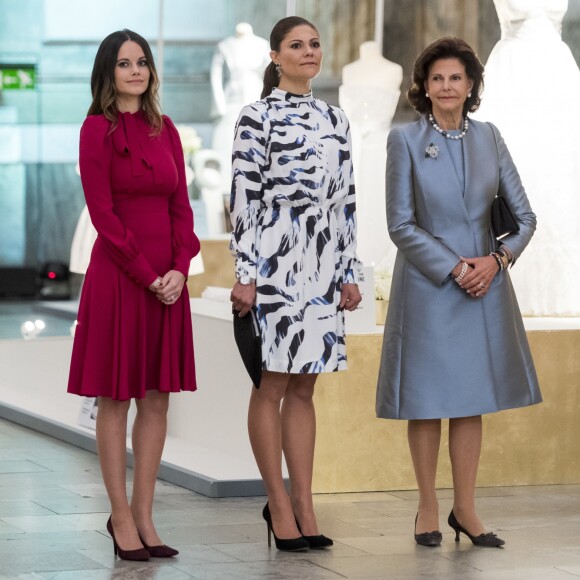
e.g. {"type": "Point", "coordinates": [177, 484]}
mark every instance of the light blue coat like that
{"type": "Point", "coordinates": [446, 354]}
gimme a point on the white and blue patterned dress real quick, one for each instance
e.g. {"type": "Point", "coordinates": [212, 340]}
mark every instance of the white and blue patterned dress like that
{"type": "Point", "coordinates": [294, 227]}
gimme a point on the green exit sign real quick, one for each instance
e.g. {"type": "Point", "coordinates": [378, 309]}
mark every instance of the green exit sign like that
{"type": "Point", "coordinates": [17, 77]}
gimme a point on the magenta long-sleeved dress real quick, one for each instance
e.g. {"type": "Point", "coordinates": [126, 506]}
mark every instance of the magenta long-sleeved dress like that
{"type": "Point", "coordinates": [126, 340]}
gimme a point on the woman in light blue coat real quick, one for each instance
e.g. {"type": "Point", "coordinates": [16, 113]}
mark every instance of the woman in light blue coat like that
{"type": "Point", "coordinates": [455, 345]}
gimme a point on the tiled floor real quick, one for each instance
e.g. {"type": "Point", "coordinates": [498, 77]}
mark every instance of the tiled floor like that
{"type": "Point", "coordinates": [53, 511]}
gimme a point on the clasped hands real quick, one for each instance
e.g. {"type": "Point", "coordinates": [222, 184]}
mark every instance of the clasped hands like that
{"type": "Point", "coordinates": [169, 287]}
{"type": "Point", "coordinates": [479, 276]}
{"type": "Point", "coordinates": [243, 297]}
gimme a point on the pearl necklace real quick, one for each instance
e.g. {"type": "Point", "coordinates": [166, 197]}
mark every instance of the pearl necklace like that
{"type": "Point", "coordinates": [445, 133]}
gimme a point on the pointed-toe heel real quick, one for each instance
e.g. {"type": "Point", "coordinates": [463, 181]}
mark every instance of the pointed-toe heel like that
{"type": "Point", "coordinates": [161, 551]}
{"type": "Point", "coordinates": [291, 545]}
{"type": "Point", "coordinates": [489, 540]}
{"type": "Point", "coordinates": [138, 555]}
{"type": "Point", "coordinates": [429, 539]}
{"type": "Point", "coordinates": [316, 542]}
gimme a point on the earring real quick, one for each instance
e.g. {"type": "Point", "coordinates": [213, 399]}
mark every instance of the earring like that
{"type": "Point", "coordinates": [427, 95]}
{"type": "Point", "coordinates": [468, 95]}
{"type": "Point", "coordinates": [278, 69]}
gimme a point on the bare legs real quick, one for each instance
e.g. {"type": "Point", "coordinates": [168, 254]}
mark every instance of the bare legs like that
{"type": "Point", "coordinates": [149, 431]}
{"type": "Point", "coordinates": [148, 439]}
{"type": "Point", "coordinates": [281, 417]}
{"type": "Point", "coordinates": [464, 449]}
{"type": "Point", "coordinates": [424, 438]}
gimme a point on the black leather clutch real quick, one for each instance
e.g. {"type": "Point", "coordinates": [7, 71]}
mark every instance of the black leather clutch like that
{"type": "Point", "coordinates": [503, 221]}
{"type": "Point", "coordinates": [249, 343]}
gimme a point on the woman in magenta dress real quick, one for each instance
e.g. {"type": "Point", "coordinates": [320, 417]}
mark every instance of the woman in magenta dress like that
{"type": "Point", "coordinates": [133, 339]}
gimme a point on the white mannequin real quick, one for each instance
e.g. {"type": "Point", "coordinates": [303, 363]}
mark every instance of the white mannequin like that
{"type": "Point", "coordinates": [206, 168]}
{"type": "Point", "coordinates": [546, 154]}
{"type": "Point", "coordinates": [369, 96]}
{"type": "Point", "coordinates": [244, 56]}
{"type": "Point", "coordinates": [373, 69]}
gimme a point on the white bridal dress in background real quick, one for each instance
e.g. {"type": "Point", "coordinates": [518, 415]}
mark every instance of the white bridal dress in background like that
{"type": "Point", "coordinates": [368, 95]}
{"type": "Point", "coordinates": [532, 84]}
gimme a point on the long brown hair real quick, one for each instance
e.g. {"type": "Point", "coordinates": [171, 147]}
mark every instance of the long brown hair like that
{"type": "Point", "coordinates": [103, 80]}
{"type": "Point", "coordinates": [281, 29]}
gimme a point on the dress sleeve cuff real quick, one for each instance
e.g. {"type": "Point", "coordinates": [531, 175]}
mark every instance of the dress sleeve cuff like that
{"type": "Point", "coordinates": [245, 268]}
{"type": "Point", "coordinates": [141, 270]}
{"type": "Point", "coordinates": [351, 270]}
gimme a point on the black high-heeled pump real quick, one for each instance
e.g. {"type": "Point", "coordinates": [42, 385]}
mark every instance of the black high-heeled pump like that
{"type": "Point", "coordinates": [316, 542]}
{"type": "Point", "coordinates": [489, 540]}
{"type": "Point", "coordinates": [291, 545]}
{"type": "Point", "coordinates": [429, 539]}
{"type": "Point", "coordinates": [138, 555]}
{"type": "Point", "coordinates": [161, 551]}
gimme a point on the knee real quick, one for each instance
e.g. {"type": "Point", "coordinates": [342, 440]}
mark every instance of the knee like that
{"type": "Point", "coordinates": [154, 404]}
{"type": "Point", "coordinates": [112, 408]}
{"type": "Point", "coordinates": [267, 395]}
{"type": "Point", "coordinates": [301, 390]}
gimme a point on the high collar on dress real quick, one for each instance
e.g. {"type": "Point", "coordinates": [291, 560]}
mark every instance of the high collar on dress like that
{"type": "Point", "coordinates": [132, 136]}
{"type": "Point", "coordinates": [291, 97]}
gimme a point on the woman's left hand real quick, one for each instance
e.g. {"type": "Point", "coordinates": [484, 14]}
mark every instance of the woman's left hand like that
{"type": "Point", "coordinates": [171, 287]}
{"type": "Point", "coordinates": [479, 276]}
{"type": "Point", "coordinates": [350, 297]}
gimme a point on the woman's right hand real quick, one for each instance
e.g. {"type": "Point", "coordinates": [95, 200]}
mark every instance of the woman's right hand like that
{"type": "Point", "coordinates": [243, 297]}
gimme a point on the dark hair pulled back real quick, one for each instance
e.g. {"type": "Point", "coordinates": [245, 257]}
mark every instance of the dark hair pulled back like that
{"type": "Point", "coordinates": [281, 29]}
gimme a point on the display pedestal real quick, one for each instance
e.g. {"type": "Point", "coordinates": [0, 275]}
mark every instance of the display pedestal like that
{"type": "Point", "coordinates": [207, 447]}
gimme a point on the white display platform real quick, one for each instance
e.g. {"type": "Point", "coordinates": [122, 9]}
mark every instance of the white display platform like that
{"type": "Point", "coordinates": [207, 448]}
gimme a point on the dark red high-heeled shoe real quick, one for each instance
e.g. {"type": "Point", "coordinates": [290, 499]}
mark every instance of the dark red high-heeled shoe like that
{"type": "Point", "coordinates": [138, 555]}
{"type": "Point", "coordinates": [161, 551]}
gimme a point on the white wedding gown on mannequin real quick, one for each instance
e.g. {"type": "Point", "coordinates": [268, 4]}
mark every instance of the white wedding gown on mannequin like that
{"type": "Point", "coordinates": [531, 84]}
{"type": "Point", "coordinates": [369, 96]}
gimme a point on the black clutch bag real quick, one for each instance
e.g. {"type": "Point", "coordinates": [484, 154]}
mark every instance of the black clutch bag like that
{"type": "Point", "coordinates": [249, 343]}
{"type": "Point", "coordinates": [503, 221]}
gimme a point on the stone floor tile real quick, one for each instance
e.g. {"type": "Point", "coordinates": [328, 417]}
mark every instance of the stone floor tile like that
{"type": "Point", "coordinates": [78, 505]}
{"type": "Point", "coordinates": [508, 559]}
{"type": "Point", "coordinates": [574, 570]}
{"type": "Point", "coordinates": [123, 571]}
{"type": "Point", "coordinates": [15, 563]}
{"type": "Point", "coordinates": [273, 570]}
{"type": "Point", "coordinates": [259, 551]}
{"type": "Point", "coordinates": [395, 566]}
{"type": "Point", "coordinates": [12, 466]}
{"type": "Point", "coordinates": [22, 508]}
{"type": "Point", "coordinates": [56, 523]}
{"type": "Point", "coordinates": [49, 541]}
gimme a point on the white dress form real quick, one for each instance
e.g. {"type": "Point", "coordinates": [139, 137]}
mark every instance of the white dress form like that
{"type": "Point", "coordinates": [244, 58]}
{"type": "Point", "coordinates": [369, 95]}
{"type": "Point", "coordinates": [541, 130]}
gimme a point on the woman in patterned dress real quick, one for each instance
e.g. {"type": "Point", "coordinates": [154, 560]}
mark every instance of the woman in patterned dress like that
{"type": "Point", "coordinates": [294, 239]}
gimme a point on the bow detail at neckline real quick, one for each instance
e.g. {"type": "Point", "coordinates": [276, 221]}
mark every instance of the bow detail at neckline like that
{"type": "Point", "coordinates": [132, 137]}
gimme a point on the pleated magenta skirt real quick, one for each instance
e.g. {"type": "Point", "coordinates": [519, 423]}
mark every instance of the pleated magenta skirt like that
{"type": "Point", "coordinates": [126, 341]}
